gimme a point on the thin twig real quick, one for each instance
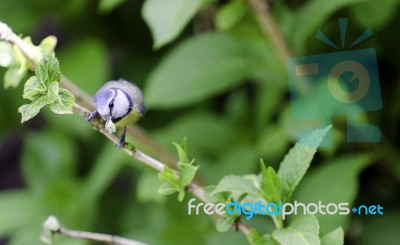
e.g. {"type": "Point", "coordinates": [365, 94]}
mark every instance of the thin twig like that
{"type": "Point", "coordinates": [51, 225]}
{"type": "Point", "coordinates": [6, 34]}
{"type": "Point", "coordinates": [270, 28]}
{"type": "Point", "coordinates": [98, 237]}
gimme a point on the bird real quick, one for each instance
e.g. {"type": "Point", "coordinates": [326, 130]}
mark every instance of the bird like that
{"type": "Point", "coordinates": [120, 102]}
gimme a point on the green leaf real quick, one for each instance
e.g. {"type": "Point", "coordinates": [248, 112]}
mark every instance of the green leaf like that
{"type": "Point", "coordinates": [167, 189]}
{"type": "Point", "coordinates": [52, 92]}
{"type": "Point", "coordinates": [313, 188]}
{"type": "Point", "coordinates": [303, 230]}
{"type": "Point", "coordinates": [181, 196]}
{"type": "Point", "coordinates": [167, 19]}
{"type": "Point", "coordinates": [237, 185]}
{"type": "Point", "coordinates": [255, 238]}
{"type": "Point", "coordinates": [168, 176]}
{"type": "Point", "coordinates": [48, 45]}
{"type": "Point", "coordinates": [187, 173]}
{"type": "Point", "coordinates": [382, 10]}
{"type": "Point", "coordinates": [225, 223]}
{"type": "Point", "coordinates": [6, 54]}
{"type": "Point", "coordinates": [106, 6]}
{"type": "Point", "coordinates": [230, 14]}
{"type": "Point", "coordinates": [296, 162]}
{"type": "Point", "coordinates": [221, 61]}
{"type": "Point", "coordinates": [314, 13]}
{"type": "Point", "coordinates": [335, 237]}
{"type": "Point", "coordinates": [29, 111]}
{"type": "Point", "coordinates": [271, 184]}
{"type": "Point", "coordinates": [13, 76]}
{"type": "Point", "coordinates": [48, 70]}
{"type": "Point", "coordinates": [33, 89]}
{"type": "Point", "coordinates": [64, 102]}
{"type": "Point", "coordinates": [181, 148]}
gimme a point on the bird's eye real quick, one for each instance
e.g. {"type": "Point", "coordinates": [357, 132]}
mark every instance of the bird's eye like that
{"type": "Point", "coordinates": [111, 105]}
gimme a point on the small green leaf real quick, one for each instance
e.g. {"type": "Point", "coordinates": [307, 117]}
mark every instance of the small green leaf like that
{"type": "Point", "coordinates": [297, 161]}
{"type": "Point", "coordinates": [187, 173]}
{"type": "Point", "coordinates": [166, 189]}
{"type": "Point", "coordinates": [237, 185]}
{"type": "Point", "coordinates": [106, 6]}
{"type": "Point", "coordinates": [29, 111]}
{"type": "Point", "coordinates": [13, 76]}
{"type": "Point", "coordinates": [181, 148]}
{"type": "Point", "coordinates": [168, 176]}
{"type": "Point", "coordinates": [48, 70]}
{"type": "Point", "coordinates": [335, 237]}
{"type": "Point", "coordinates": [52, 92]}
{"type": "Point", "coordinates": [181, 196]}
{"type": "Point", "coordinates": [230, 14]}
{"type": "Point", "coordinates": [64, 102]}
{"type": "Point", "coordinates": [225, 223]}
{"type": "Point", "coordinates": [271, 184]}
{"type": "Point", "coordinates": [167, 19]}
{"type": "Point", "coordinates": [32, 50]}
{"type": "Point", "coordinates": [6, 55]}
{"type": "Point", "coordinates": [303, 230]}
{"type": "Point", "coordinates": [256, 238]}
{"type": "Point", "coordinates": [47, 45]}
{"type": "Point", "coordinates": [33, 89]}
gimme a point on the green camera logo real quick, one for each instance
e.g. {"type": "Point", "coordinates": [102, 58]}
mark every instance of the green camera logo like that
{"type": "Point", "coordinates": [338, 83]}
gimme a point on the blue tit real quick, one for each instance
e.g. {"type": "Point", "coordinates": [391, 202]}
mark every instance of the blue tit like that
{"type": "Point", "coordinates": [120, 102]}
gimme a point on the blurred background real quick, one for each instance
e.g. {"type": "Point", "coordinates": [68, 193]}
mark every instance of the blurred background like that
{"type": "Point", "coordinates": [217, 80]}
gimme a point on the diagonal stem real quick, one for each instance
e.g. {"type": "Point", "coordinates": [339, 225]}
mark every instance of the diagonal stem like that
{"type": "Point", "coordinates": [270, 28]}
{"type": "Point", "coordinates": [51, 225]}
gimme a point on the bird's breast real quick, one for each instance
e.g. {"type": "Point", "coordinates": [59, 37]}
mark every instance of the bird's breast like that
{"type": "Point", "coordinates": [132, 117]}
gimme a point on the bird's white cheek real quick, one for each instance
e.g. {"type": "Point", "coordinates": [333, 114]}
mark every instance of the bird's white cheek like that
{"type": "Point", "coordinates": [102, 112]}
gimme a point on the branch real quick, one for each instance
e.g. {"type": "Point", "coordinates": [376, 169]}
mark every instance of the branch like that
{"type": "Point", "coordinates": [6, 34]}
{"type": "Point", "coordinates": [270, 28]}
{"type": "Point", "coordinates": [80, 96]}
{"type": "Point", "coordinates": [51, 226]}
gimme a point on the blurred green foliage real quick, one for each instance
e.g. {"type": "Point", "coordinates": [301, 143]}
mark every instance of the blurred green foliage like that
{"type": "Point", "coordinates": [213, 78]}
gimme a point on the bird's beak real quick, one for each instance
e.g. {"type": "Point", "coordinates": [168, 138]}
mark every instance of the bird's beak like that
{"type": "Point", "coordinates": [108, 117]}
